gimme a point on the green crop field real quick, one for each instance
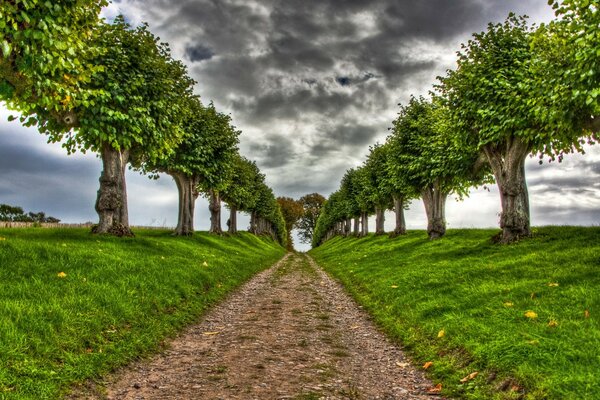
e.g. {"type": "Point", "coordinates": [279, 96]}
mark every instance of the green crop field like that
{"type": "Point", "coordinates": [525, 317]}
{"type": "Point", "coordinates": [74, 306]}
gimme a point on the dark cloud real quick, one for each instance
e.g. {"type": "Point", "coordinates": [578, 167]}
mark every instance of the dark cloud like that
{"type": "Point", "coordinates": [198, 52]}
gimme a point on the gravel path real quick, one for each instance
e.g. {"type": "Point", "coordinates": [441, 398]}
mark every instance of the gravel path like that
{"type": "Point", "coordinates": [289, 333]}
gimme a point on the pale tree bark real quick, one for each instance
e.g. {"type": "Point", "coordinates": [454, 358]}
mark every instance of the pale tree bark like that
{"type": "Point", "coordinates": [356, 230]}
{"type": "Point", "coordinates": [434, 199]}
{"type": "Point", "coordinates": [364, 221]}
{"type": "Point", "coordinates": [347, 226]}
{"type": "Point", "coordinates": [400, 228]}
{"type": "Point", "coordinates": [508, 165]}
{"type": "Point", "coordinates": [187, 186]}
{"type": "Point", "coordinates": [111, 201]}
{"type": "Point", "coordinates": [214, 205]}
{"type": "Point", "coordinates": [232, 220]}
{"type": "Point", "coordinates": [252, 228]}
{"type": "Point", "coordinates": [379, 220]}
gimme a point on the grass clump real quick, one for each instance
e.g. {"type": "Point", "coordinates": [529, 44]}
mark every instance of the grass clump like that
{"type": "Point", "coordinates": [524, 316]}
{"type": "Point", "coordinates": [74, 306]}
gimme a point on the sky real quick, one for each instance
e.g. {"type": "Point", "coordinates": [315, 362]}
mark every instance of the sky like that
{"type": "Point", "coordinates": [311, 84]}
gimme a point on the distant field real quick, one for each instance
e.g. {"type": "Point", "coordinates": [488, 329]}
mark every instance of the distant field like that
{"type": "Point", "coordinates": [74, 306]}
{"type": "Point", "coordinates": [526, 317]}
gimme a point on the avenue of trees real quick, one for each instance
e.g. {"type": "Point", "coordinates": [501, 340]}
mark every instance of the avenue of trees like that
{"type": "Point", "coordinates": [518, 91]}
{"type": "Point", "coordinates": [115, 90]}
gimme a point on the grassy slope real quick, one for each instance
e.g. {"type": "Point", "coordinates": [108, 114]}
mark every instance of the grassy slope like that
{"type": "Point", "coordinates": [478, 294]}
{"type": "Point", "coordinates": [120, 298]}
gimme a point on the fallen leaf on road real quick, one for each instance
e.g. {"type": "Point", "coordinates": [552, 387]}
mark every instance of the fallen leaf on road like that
{"type": "Point", "coordinates": [354, 327]}
{"type": "Point", "coordinates": [436, 389]}
{"type": "Point", "coordinates": [210, 333]}
{"type": "Point", "coordinates": [402, 365]}
{"type": "Point", "coordinates": [427, 365]}
{"type": "Point", "coordinates": [470, 377]}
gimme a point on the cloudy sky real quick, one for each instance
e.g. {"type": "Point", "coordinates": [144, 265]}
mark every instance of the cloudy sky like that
{"type": "Point", "coordinates": [311, 84]}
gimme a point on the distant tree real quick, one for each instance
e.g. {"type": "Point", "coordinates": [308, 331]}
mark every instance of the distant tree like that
{"type": "Point", "coordinates": [311, 204]}
{"type": "Point", "coordinates": [349, 188]}
{"type": "Point", "coordinates": [379, 191]}
{"type": "Point", "coordinates": [364, 196]}
{"type": "Point", "coordinates": [240, 194]}
{"type": "Point", "coordinates": [16, 214]}
{"type": "Point", "coordinates": [292, 211]}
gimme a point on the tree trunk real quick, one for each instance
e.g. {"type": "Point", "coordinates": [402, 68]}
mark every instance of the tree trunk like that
{"type": "Point", "coordinates": [508, 166]}
{"type": "Point", "coordinates": [348, 227]}
{"type": "Point", "coordinates": [215, 212]}
{"type": "Point", "coordinates": [111, 201]}
{"type": "Point", "coordinates": [188, 193]}
{"type": "Point", "coordinates": [400, 221]}
{"type": "Point", "coordinates": [364, 220]}
{"type": "Point", "coordinates": [356, 226]}
{"type": "Point", "coordinates": [379, 221]}
{"type": "Point", "coordinates": [232, 220]}
{"type": "Point", "coordinates": [252, 227]}
{"type": "Point", "coordinates": [434, 199]}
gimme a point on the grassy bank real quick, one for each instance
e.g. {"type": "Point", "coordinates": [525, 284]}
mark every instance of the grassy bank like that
{"type": "Point", "coordinates": [526, 317]}
{"type": "Point", "coordinates": [74, 306]}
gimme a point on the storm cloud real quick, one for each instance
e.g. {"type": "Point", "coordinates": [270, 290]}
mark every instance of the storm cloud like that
{"type": "Point", "coordinates": [311, 84]}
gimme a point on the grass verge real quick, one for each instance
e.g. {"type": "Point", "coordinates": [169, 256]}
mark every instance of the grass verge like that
{"type": "Point", "coordinates": [526, 316]}
{"type": "Point", "coordinates": [74, 306]}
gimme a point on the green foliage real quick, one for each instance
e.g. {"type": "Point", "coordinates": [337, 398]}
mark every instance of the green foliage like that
{"type": "Point", "coordinates": [145, 97]}
{"type": "Point", "coordinates": [478, 294]}
{"type": "Point", "coordinates": [240, 192]}
{"type": "Point", "coordinates": [424, 150]}
{"type": "Point", "coordinates": [291, 210]}
{"type": "Point", "coordinates": [119, 299]}
{"type": "Point", "coordinates": [312, 204]}
{"type": "Point", "coordinates": [16, 214]}
{"type": "Point", "coordinates": [334, 210]}
{"type": "Point", "coordinates": [46, 52]}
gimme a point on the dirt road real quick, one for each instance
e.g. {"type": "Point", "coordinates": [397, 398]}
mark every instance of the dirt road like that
{"type": "Point", "coordinates": [289, 333]}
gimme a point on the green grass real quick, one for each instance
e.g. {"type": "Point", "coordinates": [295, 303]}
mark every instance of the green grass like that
{"type": "Point", "coordinates": [119, 300]}
{"type": "Point", "coordinates": [478, 293]}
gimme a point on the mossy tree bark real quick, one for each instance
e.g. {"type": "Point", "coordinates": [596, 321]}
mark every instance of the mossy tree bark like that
{"type": "Point", "coordinates": [508, 165]}
{"type": "Point", "coordinates": [111, 201]}
{"type": "Point", "coordinates": [215, 212]}
{"type": "Point", "coordinates": [232, 220]}
{"type": "Point", "coordinates": [379, 220]}
{"type": "Point", "coordinates": [434, 199]}
{"type": "Point", "coordinates": [187, 186]}
{"type": "Point", "coordinates": [400, 228]}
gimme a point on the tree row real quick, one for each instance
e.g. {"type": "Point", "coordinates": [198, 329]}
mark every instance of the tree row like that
{"type": "Point", "coordinates": [518, 90]}
{"type": "Point", "coordinates": [115, 90]}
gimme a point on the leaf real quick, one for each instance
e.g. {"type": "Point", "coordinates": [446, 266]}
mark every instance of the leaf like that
{"type": "Point", "coordinates": [586, 313]}
{"type": "Point", "coordinates": [508, 304]}
{"type": "Point", "coordinates": [61, 275]}
{"type": "Point", "coordinates": [553, 284]}
{"type": "Point", "coordinates": [5, 49]}
{"type": "Point", "coordinates": [205, 264]}
{"type": "Point", "coordinates": [436, 389]}
{"type": "Point", "coordinates": [553, 323]}
{"type": "Point", "coordinates": [441, 334]}
{"type": "Point", "coordinates": [469, 377]}
{"type": "Point", "coordinates": [402, 365]}
{"type": "Point", "coordinates": [394, 286]}
{"type": "Point", "coordinates": [531, 314]}
{"type": "Point", "coordinates": [427, 365]}
{"type": "Point", "coordinates": [210, 333]}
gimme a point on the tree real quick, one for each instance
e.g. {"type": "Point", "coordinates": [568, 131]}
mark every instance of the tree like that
{"type": "Point", "coordinates": [499, 104]}
{"type": "Point", "coordinates": [431, 160]}
{"type": "Point", "coordinates": [137, 118]}
{"type": "Point", "coordinates": [45, 56]}
{"type": "Point", "coordinates": [292, 211]}
{"type": "Point", "coordinates": [364, 198]}
{"type": "Point", "coordinates": [239, 194]}
{"type": "Point", "coordinates": [375, 179]}
{"type": "Point", "coordinates": [16, 214]}
{"type": "Point", "coordinates": [311, 204]}
{"type": "Point", "coordinates": [201, 162]}
{"type": "Point", "coordinates": [266, 217]}
{"type": "Point", "coordinates": [349, 188]}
